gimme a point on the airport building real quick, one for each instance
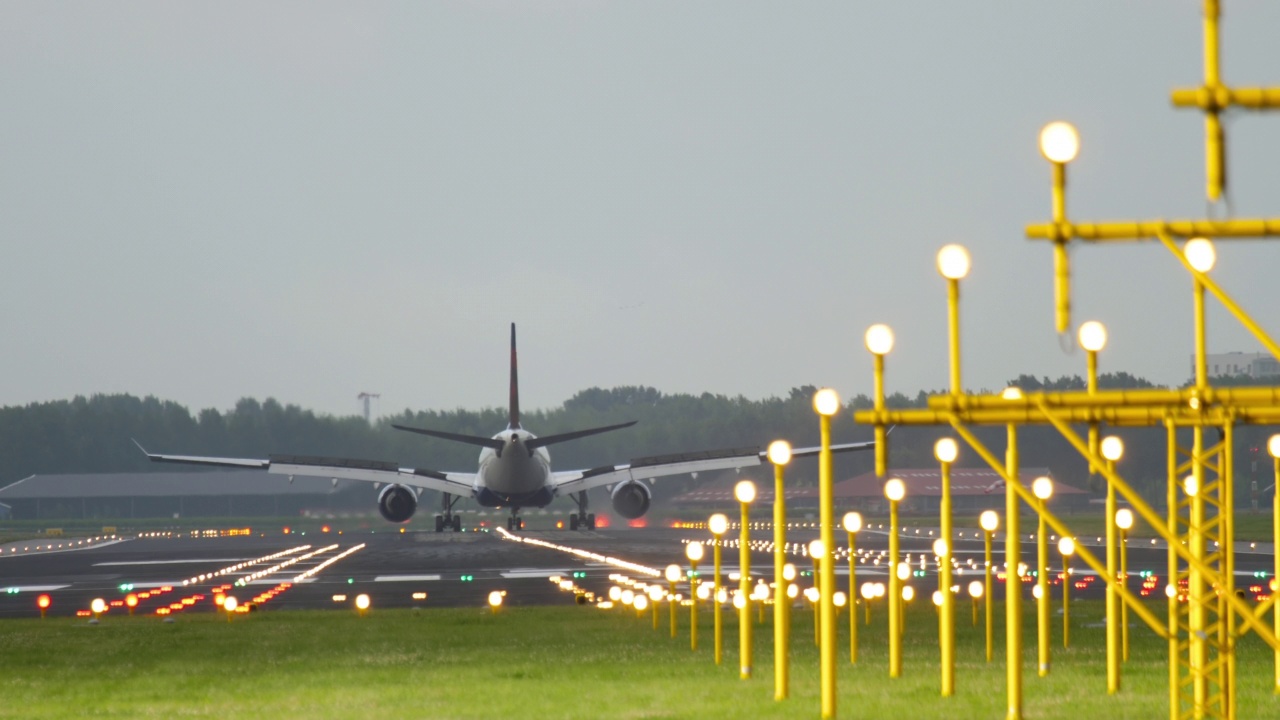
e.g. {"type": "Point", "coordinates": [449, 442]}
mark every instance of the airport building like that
{"type": "Point", "coordinates": [120, 496]}
{"type": "Point", "coordinates": [1254, 365]}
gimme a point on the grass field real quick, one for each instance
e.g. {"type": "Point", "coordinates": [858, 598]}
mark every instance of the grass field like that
{"type": "Point", "coordinates": [540, 662]}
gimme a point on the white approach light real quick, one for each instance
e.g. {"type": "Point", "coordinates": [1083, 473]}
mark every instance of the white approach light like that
{"type": "Point", "coordinates": [852, 522]}
{"type": "Point", "coordinates": [672, 574]}
{"type": "Point", "coordinates": [908, 593]}
{"type": "Point", "coordinates": [1112, 448]}
{"type": "Point", "coordinates": [895, 489]}
{"type": "Point", "coordinates": [953, 262]}
{"type": "Point", "coordinates": [745, 491]}
{"type": "Point", "coordinates": [826, 402]}
{"type": "Point", "coordinates": [937, 598]}
{"type": "Point", "coordinates": [1059, 142]}
{"type": "Point", "coordinates": [1092, 336]}
{"type": "Point", "coordinates": [1124, 518]}
{"type": "Point", "coordinates": [718, 524]}
{"type": "Point", "coordinates": [1200, 254]}
{"type": "Point", "coordinates": [1011, 393]}
{"type": "Point", "coordinates": [694, 551]}
{"type": "Point", "coordinates": [1042, 487]}
{"type": "Point", "coordinates": [1067, 546]}
{"type": "Point", "coordinates": [879, 339]}
{"type": "Point", "coordinates": [904, 570]}
{"type": "Point", "coordinates": [975, 589]}
{"type": "Point", "coordinates": [1273, 446]}
{"type": "Point", "coordinates": [817, 549]}
{"type": "Point", "coordinates": [940, 548]}
{"type": "Point", "coordinates": [946, 450]}
{"type": "Point", "coordinates": [989, 520]}
{"type": "Point", "coordinates": [779, 452]}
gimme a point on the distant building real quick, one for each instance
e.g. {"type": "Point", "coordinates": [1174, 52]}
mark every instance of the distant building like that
{"type": "Point", "coordinates": [1240, 363]}
{"type": "Point", "coordinates": [118, 496]}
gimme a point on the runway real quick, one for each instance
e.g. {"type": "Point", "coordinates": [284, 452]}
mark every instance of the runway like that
{"type": "Point", "coordinates": [172, 574]}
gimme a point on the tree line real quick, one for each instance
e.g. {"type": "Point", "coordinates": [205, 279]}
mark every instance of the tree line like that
{"type": "Point", "coordinates": [94, 434]}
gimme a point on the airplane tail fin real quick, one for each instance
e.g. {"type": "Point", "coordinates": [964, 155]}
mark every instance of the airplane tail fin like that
{"type": "Point", "coordinates": [513, 417]}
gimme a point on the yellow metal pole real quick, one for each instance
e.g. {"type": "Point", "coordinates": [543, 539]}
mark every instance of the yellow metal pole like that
{"type": "Point", "coordinates": [882, 435]}
{"type": "Point", "coordinates": [1196, 596]}
{"type": "Point", "coordinates": [671, 604]}
{"type": "Point", "coordinates": [853, 599]}
{"type": "Point", "coordinates": [1215, 160]}
{"type": "Point", "coordinates": [1061, 262]}
{"type": "Point", "coordinates": [953, 328]}
{"type": "Point", "coordinates": [826, 515]}
{"type": "Point", "coordinates": [1275, 577]}
{"type": "Point", "coordinates": [895, 596]}
{"type": "Point", "coordinates": [1042, 604]}
{"type": "Point", "coordinates": [744, 589]}
{"type": "Point", "coordinates": [1113, 599]}
{"type": "Point", "coordinates": [986, 594]}
{"type": "Point", "coordinates": [1092, 388]}
{"type": "Point", "coordinates": [1124, 608]}
{"type": "Point", "coordinates": [1066, 601]}
{"type": "Point", "coordinates": [781, 624]}
{"type": "Point", "coordinates": [1013, 586]}
{"type": "Point", "coordinates": [655, 614]}
{"type": "Point", "coordinates": [817, 619]}
{"type": "Point", "coordinates": [693, 604]}
{"type": "Point", "coordinates": [947, 618]}
{"type": "Point", "coordinates": [715, 598]}
{"type": "Point", "coordinates": [1171, 526]}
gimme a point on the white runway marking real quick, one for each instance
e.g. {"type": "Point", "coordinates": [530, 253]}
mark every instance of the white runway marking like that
{"type": "Point", "coordinates": [33, 588]}
{"type": "Point", "coordinates": [406, 578]}
{"type": "Point", "coordinates": [171, 562]}
{"type": "Point", "coordinates": [533, 573]}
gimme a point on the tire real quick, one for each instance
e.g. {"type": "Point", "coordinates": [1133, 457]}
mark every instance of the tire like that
{"type": "Point", "coordinates": [519, 524]}
{"type": "Point", "coordinates": [591, 521]}
{"type": "Point", "coordinates": [573, 521]}
{"type": "Point", "coordinates": [457, 523]}
{"type": "Point", "coordinates": [439, 524]}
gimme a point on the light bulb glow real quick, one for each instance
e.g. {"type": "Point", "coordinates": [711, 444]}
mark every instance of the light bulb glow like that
{"type": "Point", "coordinates": [745, 491]}
{"type": "Point", "coordinates": [940, 548]}
{"type": "Point", "coordinates": [1067, 546]}
{"type": "Point", "coordinates": [975, 589]}
{"type": "Point", "coordinates": [1124, 518]}
{"type": "Point", "coordinates": [1042, 487]}
{"type": "Point", "coordinates": [904, 570]}
{"type": "Point", "coordinates": [946, 450]}
{"type": "Point", "coordinates": [989, 520]}
{"type": "Point", "coordinates": [953, 262]}
{"type": "Point", "coordinates": [1273, 446]}
{"type": "Point", "coordinates": [694, 551]}
{"type": "Point", "coordinates": [1200, 254]}
{"type": "Point", "coordinates": [908, 593]}
{"type": "Point", "coordinates": [1059, 142]}
{"type": "Point", "coordinates": [826, 402]}
{"type": "Point", "coordinates": [852, 522]}
{"type": "Point", "coordinates": [817, 549]}
{"type": "Point", "coordinates": [895, 489]}
{"type": "Point", "coordinates": [1112, 448]}
{"type": "Point", "coordinates": [779, 452]}
{"type": "Point", "coordinates": [879, 339]}
{"type": "Point", "coordinates": [1092, 336]}
{"type": "Point", "coordinates": [718, 524]}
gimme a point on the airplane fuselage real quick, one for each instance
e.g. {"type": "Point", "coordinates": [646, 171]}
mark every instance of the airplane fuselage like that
{"type": "Point", "coordinates": [514, 476]}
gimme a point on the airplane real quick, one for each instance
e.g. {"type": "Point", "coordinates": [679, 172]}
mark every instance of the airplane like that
{"type": "Point", "coordinates": [514, 471]}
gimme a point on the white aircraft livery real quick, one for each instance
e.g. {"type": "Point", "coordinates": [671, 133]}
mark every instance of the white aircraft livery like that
{"type": "Point", "coordinates": [514, 472]}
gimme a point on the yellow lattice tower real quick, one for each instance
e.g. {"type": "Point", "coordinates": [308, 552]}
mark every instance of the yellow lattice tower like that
{"type": "Point", "coordinates": [1205, 618]}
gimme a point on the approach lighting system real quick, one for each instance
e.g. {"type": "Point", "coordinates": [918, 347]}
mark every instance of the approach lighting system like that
{"type": "Point", "coordinates": [989, 520]}
{"type": "Point", "coordinates": [694, 551]}
{"type": "Point", "coordinates": [1059, 142]}
{"type": "Point", "coordinates": [895, 489]}
{"type": "Point", "coordinates": [975, 589]}
{"type": "Point", "coordinates": [1112, 448]}
{"type": "Point", "coordinates": [745, 491]}
{"type": "Point", "coordinates": [817, 549]}
{"type": "Point", "coordinates": [1042, 487]}
{"type": "Point", "coordinates": [672, 573]}
{"type": "Point", "coordinates": [230, 603]}
{"type": "Point", "coordinates": [1124, 518]}
{"type": "Point", "coordinates": [946, 450]}
{"type": "Point", "coordinates": [718, 524]}
{"type": "Point", "coordinates": [1067, 546]}
{"type": "Point", "coordinates": [362, 601]}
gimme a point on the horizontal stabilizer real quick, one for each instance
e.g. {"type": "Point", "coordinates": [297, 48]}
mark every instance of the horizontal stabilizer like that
{"type": "Point", "coordinates": [565, 437]}
{"type": "Point", "coordinates": [495, 443]}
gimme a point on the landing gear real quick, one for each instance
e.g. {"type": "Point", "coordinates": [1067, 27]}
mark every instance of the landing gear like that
{"type": "Point", "coordinates": [581, 519]}
{"type": "Point", "coordinates": [447, 519]}
{"type": "Point", "coordinates": [515, 523]}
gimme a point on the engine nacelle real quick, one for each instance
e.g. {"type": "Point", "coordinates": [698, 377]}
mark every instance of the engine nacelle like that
{"type": "Point", "coordinates": [631, 499]}
{"type": "Point", "coordinates": [397, 503]}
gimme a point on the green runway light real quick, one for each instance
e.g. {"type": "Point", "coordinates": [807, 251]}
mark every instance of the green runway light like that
{"type": "Point", "coordinates": [11, 590]}
{"type": "Point", "coordinates": [468, 578]}
{"type": "Point", "coordinates": [351, 581]}
{"type": "Point", "coordinates": [579, 574]}
{"type": "Point", "coordinates": [126, 587]}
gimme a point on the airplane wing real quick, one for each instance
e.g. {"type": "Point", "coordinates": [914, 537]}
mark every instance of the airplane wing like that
{"type": "Point", "coordinates": [662, 465]}
{"type": "Point", "coordinates": [337, 468]}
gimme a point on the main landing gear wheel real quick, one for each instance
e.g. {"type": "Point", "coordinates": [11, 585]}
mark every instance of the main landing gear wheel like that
{"type": "Point", "coordinates": [439, 524]}
{"type": "Point", "coordinates": [457, 523]}
{"type": "Point", "coordinates": [584, 522]}
{"type": "Point", "coordinates": [515, 523]}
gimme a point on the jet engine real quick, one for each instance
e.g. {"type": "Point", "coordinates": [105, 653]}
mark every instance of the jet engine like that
{"type": "Point", "coordinates": [397, 503]}
{"type": "Point", "coordinates": [631, 499]}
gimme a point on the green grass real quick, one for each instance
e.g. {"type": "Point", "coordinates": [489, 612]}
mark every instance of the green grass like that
{"type": "Point", "coordinates": [538, 662]}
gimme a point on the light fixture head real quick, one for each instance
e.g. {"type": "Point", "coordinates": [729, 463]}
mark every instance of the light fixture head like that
{"type": "Point", "coordinates": [1112, 448]}
{"type": "Point", "coordinates": [1042, 487]}
{"type": "Point", "coordinates": [745, 491]}
{"type": "Point", "coordinates": [1067, 546]}
{"type": "Point", "coordinates": [940, 548]}
{"type": "Point", "coordinates": [852, 522]}
{"type": "Point", "coordinates": [1059, 142]}
{"type": "Point", "coordinates": [779, 452]}
{"type": "Point", "coordinates": [989, 520]}
{"type": "Point", "coordinates": [946, 450]}
{"type": "Point", "coordinates": [817, 549]}
{"type": "Point", "coordinates": [1200, 254]}
{"type": "Point", "coordinates": [953, 262]}
{"type": "Point", "coordinates": [672, 574]}
{"type": "Point", "coordinates": [1273, 446]}
{"type": "Point", "coordinates": [826, 402]}
{"type": "Point", "coordinates": [1124, 518]}
{"type": "Point", "coordinates": [895, 489]}
{"type": "Point", "coordinates": [693, 551]}
{"type": "Point", "coordinates": [1092, 336]}
{"type": "Point", "coordinates": [975, 589]}
{"type": "Point", "coordinates": [879, 339]}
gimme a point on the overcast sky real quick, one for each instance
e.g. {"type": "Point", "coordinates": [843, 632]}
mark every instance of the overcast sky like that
{"type": "Point", "coordinates": [207, 201]}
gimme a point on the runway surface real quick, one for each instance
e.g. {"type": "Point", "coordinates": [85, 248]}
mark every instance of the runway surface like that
{"type": "Point", "coordinates": [277, 571]}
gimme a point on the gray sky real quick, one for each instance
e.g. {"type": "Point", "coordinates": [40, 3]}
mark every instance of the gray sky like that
{"type": "Point", "coordinates": [205, 201]}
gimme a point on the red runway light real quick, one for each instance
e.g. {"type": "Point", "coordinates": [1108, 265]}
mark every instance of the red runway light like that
{"type": "Point", "coordinates": [43, 602]}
